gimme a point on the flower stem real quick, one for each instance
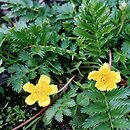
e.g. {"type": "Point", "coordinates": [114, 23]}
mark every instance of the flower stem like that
{"type": "Point", "coordinates": [110, 58]}
{"type": "Point", "coordinates": [109, 114]}
{"type": "Point", "coordinates": [33, 117]}
{"type": "Point", "coordinates": [66, 84]}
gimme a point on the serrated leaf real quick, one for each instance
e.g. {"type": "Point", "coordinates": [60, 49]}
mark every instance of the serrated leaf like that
{"type": "Point", "coordinates": [43, 70]}
{"type": "Point", "coordinates": [105, 126]}
{"type": "Point", "coordinates": [121, 123]}
{"type": "Point", "coordinates": [20, 25]}
{"type": "Point", "coordinates": [67, 112]}
{"type": "Point", "coordinates": [55, 67]}
{"type": "Point", "coordinates": [70, 103]}
{"type": "Point", "coordinates": [126, 49]}
{"type": "Point", "coordinates": [59, 116]}
{"type": "Point", "coordinates": [37, 51]}
{"type": "Point", "coordinates": [96, 107]}
{"type": "Point", "coordinates": [24, 56]}
{"type": "Point", "coordinates": [120, 111]}
{"type": "Point", "coordinates": [82, 33]}
{"type": "Point", "coordinates": [84, 25]}
{"type": "Point", "coordinates": [32, 75]}
{"type": "Point", "coordinates": [118, 93]}
{"type": "Point", "coordinates": [17, 85]}
{"type": "Point", "coordinates": [95, 119]}
{"type": "Point", "coordinates": [82, 99]}
{"type": "Point", "coordinates": [49, 114]}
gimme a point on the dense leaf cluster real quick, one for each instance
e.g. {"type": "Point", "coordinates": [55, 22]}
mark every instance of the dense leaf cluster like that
{"type": "Point", "coordinates": [35, 44]}
{"type": "Point", "coordinates": [64, 39]}
{"type": "Point", "coordinates": [105, 111]}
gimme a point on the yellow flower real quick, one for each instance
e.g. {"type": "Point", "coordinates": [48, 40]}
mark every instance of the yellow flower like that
{"type": "Point", "coordinates": [40, 92]}
{"type": "Point", "coordinates": [106, 79]}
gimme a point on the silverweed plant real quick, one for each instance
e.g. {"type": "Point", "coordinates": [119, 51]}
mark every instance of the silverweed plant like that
{"type": "Point", "coordinates": [52, 49]}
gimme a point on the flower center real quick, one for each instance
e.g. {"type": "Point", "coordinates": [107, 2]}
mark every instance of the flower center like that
{"type": "Point", "coordinates": [104, 79]}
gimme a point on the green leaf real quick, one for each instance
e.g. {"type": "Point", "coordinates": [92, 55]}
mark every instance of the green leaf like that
{"type": "Point", "coordinates": [95, 119]}
{"type": "Point", "coordinates": [118, 93]}
{"type": "Point", "coordinates": [121, 123]}
{"type": "Point", "coordinates": [126, 48]}
{"type": "Point", "coordinates": [2, 38]}
{"type": "Point", "coordinates": [2, 90]}
{"type": "Point", "coordinates": [59, 116]}
{"type": "Point", "coordinates": [20, 25]}
{"type": "Point", "coordinates": [17, 85]}
{"type": "Point", "coordinates": [82, 33]}
{"type": "Point", "coordinates": [37, 50]}
{"type": "Point", "coordinates": [103, 126]}
{"type": "Point", "coordinates": [2, 69]}
{"type": "Point", "coordinates": [50, 113]}
{"type": "Point", "coordinates": [67, 112]}
{"type": "Point", "coordinates": [96, 107]}
{"type": "Point", "coordinates": [70, 103]}
{"type": "Point", "coordinates": [120, 111]}
{"type": "Point", "coordinates": [32, 74]}
{"type": "Point", "coordinates": [82, 99]}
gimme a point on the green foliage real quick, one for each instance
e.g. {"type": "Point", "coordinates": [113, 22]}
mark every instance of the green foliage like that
{"type": "Point", "coordinates": [106, 110]}
{"type": "Point", "coordinates": [64, 39]}
{"type": "Point", "coordinates": [34, 45]}
{"type": "Point", "coordinates": [82, 99]}
{"type": "Point", "coordinates": [15, 114]}
{"type": "Point", "coordinates": [1, 68]}
{"type": "Point", "coordinates": [61, 107]}
{"type": "Point", "coordinates": [93, 26]}
{"type": "Point", "coordinates": [33, 124]}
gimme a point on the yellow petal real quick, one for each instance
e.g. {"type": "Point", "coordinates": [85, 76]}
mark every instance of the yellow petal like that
{"type": "Point", "coordinates": [54, 89]}
{"type": "Point", "coordinates": [44, 100]}
{"type": "Point", "coordinates": [118, 77]}
{"type": "Point", "coordinates": [44, 89]}
{"type": "Point", "coordinates": [114, 86]}
{"type": "Point", "coordinates": [31, 99]}
{"type": "Point", "coordinates": [44, 80]}
{"type": "Point", "coordinates": [48, 89]}
{"type": "Point", "coordinates": [94, 75]}
{"type": "Point", "coordinates": [100, 86]}
{"type": "Point", "coordinates": [105, 68]}
{"type": "Point", "coordinates": [28, 87]}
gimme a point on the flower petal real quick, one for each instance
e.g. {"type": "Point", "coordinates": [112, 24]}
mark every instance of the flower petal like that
{"type": "Point", "coordinates": [114, 86]}
{"type": "Point", "coordinates": [100, 86]}
{"type": "Point", "coordinates": [118, 77]}
{"type": "Point", "coordinates": [44, 100]}
{"type": "Point", "coordinates": [28, 87]}
{"type": "Point", "coordinates": [54, 89]}
{"type": "Point", "coordinates": [31, 99]}
{"type": "Point", "coordinates": [94, 75]}
{"type": "Point", "coordinates": [44, 80]}
{"type": "Point", "coordinates": [105, 68]}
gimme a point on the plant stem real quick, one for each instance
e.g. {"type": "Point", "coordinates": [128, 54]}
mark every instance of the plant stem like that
{"type": "Point", "coordinates": [123, 17]}
{"type": "Point", "coordinates": [109, 114]}
{"type": "Point", "coordinates": [32, 118]}
{"type": "Point", "coordinates": [110, 58]}
{"type": "Point", "coordinates": [66, 84]}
